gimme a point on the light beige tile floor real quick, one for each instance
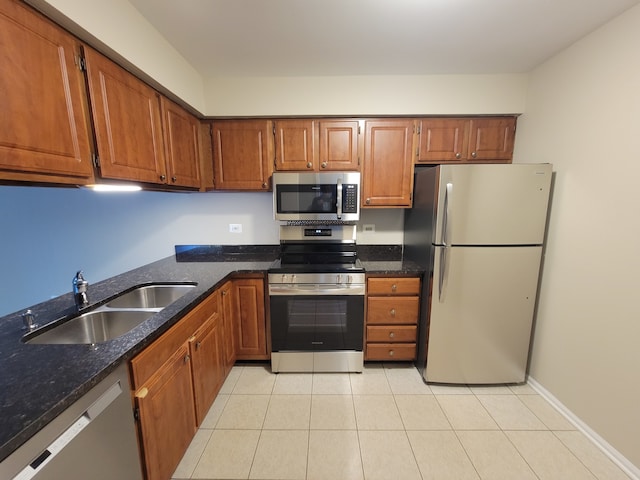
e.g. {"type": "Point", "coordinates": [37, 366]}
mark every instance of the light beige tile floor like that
{"type": "Point", "coordinates": [384, 424]}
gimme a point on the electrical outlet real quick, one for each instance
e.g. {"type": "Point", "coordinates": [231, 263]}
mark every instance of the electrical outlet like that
{"type": "Point", "coordinates": [235, 227]}
{"type": "Point", "coordinates": [369, 227]}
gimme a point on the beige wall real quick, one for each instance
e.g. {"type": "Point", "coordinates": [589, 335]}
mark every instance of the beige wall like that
{"type": "Point", "coordinates": [371, 95]}
{"type": "Point", "coordinates": [583, 115]}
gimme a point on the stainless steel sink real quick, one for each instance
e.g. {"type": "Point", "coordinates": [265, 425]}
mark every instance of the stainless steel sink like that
{"type": "Point", "coordinates": [150, 296]}
{"type": "Point", "coordinates": [112, 320]}
{"type": "Point", "coordinates": [92, 327]}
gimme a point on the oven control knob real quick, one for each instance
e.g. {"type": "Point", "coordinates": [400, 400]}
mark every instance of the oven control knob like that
{"type": "Point", "coordinates": [293, 278]}
{"type": "Point", "coordinates": [338, 279]}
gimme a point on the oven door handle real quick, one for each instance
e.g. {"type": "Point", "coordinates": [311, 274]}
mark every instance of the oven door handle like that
{"type": "Point", "coordinates": [335, 290]}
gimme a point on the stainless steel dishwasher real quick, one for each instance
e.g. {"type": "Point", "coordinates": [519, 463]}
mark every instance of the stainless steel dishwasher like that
{"type": "Point", "coordinates": [94, 438]}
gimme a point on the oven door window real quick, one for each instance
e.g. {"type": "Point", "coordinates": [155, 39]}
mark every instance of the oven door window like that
{"type": "Point", "coordinates": [317, 323]}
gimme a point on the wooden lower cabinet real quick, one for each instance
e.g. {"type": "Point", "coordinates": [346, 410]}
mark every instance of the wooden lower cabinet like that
{"type": "Point", "coordinates": [166, 413]}
{"type": "Point", "coordinates": [229, 326]}
{"type": "Point", "coordinates": [248, 299]}
{"type": "Point", "coordinates": [208, 362]}
{"type": "Point", "coordinates": [175, 382]}
{"type": "Point", "coordinates": [392, 318]}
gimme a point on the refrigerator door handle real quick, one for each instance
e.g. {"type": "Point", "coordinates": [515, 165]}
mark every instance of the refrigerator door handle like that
{"type": "Point", "coordinates": [446, 218]}
{"type": "Point", "coordinates": [443, 273]}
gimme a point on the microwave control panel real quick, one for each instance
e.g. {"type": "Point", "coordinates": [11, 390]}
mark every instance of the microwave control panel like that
{"type": "Point", "coordinates": [349, 198]}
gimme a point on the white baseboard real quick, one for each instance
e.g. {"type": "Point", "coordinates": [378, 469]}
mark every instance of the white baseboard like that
{"type": "Point", "coordinates": [615, 456]}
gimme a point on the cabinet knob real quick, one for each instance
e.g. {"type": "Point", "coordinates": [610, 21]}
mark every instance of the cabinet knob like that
{"type": "Point", "coordinates": [367, 201]}
{"type": "Point", "coordinates": [391, 334]}
{"type": "Point", "coordinates": [186, 358]}
{"type": "Point", "coordinates": [393, 312]}
{"type": "Point", "coordinates": [323, 164]}
{"type": "Point", "coordinates": [224, 292]}
{"type": "Point", "coordinates": [394, 287]}
{"type": "Point", "coordinates": [474, 154]}
{"type": "Point", "coordinates": [391, 353]}
{"type": "Point", "coordinates": [264, 184]}
{"type": "Point", "coordinates": [198, 345]}
{"type": "Point", "coordinates": [174, 179]}
{"type": "Point", "coordinates": [163, 177]}
{"type": "Point", "coordinates": [458, 155]}
{"type": "Point", "coordinates": [309, 165]}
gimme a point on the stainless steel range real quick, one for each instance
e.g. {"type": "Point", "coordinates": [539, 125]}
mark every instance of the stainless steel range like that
{"type": "Point", "coordinates": [316, 291]}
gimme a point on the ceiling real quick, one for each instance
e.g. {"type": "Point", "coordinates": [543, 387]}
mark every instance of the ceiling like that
{"type": "Point", "coordinates": [373, 37]}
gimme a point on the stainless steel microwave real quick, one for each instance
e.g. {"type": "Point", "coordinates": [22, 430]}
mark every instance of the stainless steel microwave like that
{"type": "Point", "coordinates": [322, 196]}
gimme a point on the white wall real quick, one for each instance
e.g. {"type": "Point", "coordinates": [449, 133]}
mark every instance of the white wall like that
{"type": "Point", "coordinates": [49, 233]}
{"type": "Point", "coordinates": [583, 112]}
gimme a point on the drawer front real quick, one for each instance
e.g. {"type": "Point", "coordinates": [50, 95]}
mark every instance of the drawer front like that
{"type": "Point", "coordinates": [391, 351]}
{"type": "Point", "coordinates": [393, 286]}
{"type": "Point", "coordinates": [385, 310]}
{"type": "Point", "coordinates": [398, 333]}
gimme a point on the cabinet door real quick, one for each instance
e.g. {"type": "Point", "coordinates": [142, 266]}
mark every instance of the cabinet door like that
{"type": "Point", "coordinates": [229, 329]}
{"type": "Point", "coordinates": [443, 140]}
{"type": "Point", "coordinates": [207, 365]}
{"type": "Point", "coordinates": [251, 338]}
{"type": "Point", "coordinates": [182, 141]}
{"type": "Point", "coordinates": [492, 138]}
{"type": "Point", "coordinates": [388, 163]}
{"type": "Point", "coordinates": [339, 145]}
{"type": "Point", "coordinates": [295, 145]}
{"type": "Point", "coordinates": [44, 133]}
{"type": "Point", "coordinates": [242, 154]}
{"type": "Point", "coordinates": [167, 419]}
{"type": "Point", "coordinates": [128, 128]}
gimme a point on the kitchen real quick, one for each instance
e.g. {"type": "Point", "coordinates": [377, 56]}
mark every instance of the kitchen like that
{"type": "Point", "coordinates": [578, 111]}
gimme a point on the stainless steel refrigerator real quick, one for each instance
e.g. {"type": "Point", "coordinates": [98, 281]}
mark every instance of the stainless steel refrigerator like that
{"type": "Point", "coordinates": [479, 232]}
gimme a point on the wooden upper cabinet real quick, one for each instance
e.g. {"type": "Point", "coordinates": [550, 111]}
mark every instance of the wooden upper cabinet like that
{"type": "Point", "coordinates": [339, 145]}
{"type": "Point", "coordinates": [492, 138]}
{"type": "Point", "coordinates": [295, 145]}
{"type": "Point", "coordinates": [44, 128]}
{"type": "Point", "coordinates": [443, 140]}
{"type": "Point", "coordinates": [459, 140]}
{"type": "Point", "coordinates": [387, 179]}
{"type": "Point", "coordinates": [182, 142]}
{"type": "Point", "coordinates": [127, 121]}
{"type": "Point", "coordinates": [242, 154]}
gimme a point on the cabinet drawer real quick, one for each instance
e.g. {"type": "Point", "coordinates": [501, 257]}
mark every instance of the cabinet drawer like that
{"type": "Point", "coordinates": [397, 333]}
{"type": "Point", "coordinates": [400, 310]}
{"type": "Point", "coordinates": [391, 351]}
{"type": "Point", "coordinates": [393, 286]}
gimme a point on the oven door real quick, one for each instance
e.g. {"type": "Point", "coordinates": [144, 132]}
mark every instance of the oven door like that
{"type": "Point", "coordinates": [318, 322]}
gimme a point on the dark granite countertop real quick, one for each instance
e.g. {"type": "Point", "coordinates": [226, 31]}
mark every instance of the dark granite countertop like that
{"type": "Point", "coordinates": [38, 382]}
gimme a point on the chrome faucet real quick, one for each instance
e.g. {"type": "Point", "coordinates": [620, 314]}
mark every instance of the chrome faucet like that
{"type": "Point", "coordinates": [80, 290]}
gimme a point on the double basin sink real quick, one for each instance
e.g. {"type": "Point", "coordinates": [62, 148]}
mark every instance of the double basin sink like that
{"type": "Point", "coordinates": [112, 320]}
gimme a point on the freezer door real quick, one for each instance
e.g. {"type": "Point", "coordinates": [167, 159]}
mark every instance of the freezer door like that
{"type": "Point", "coordinates": [482, 304]}
{"type": "Point", "coordinates": [492, 204]}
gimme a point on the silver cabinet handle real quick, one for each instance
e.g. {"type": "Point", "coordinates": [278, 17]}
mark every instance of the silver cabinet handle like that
{"type": "Point", "coordinates": [458, 155]}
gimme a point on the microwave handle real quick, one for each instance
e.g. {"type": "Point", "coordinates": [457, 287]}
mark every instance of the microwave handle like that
{"type": "Point", "coordinates": [339, 200]}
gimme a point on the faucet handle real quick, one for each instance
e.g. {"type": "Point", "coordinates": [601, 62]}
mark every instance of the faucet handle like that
{"type": "Point", "coordinates": [29, 320]}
